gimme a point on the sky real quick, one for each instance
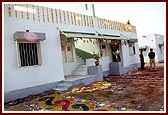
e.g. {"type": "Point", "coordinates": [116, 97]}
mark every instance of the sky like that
{"type": "Point", "coordinates": [148, 17]}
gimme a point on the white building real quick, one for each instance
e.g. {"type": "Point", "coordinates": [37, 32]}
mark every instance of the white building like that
{"type": "Point", "coordinates": [86, 9]}
{"type": "Point", "coordinates": [39, 48]}
{"type": "Point", "coordinates": [154, 41]}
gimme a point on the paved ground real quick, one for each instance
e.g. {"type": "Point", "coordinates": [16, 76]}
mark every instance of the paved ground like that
{"type": "Point", "coordinates": [141, 90]}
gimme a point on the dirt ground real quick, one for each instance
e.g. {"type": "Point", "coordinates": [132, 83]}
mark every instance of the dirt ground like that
{"type": "Point", "coordinates": [141, 90]}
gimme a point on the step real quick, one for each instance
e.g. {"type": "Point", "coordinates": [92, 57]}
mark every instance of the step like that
{"type": "Point", "coordinates": [81, 68]}
{"type": "Point", "coordinates": [79, 58]}
{"type": "Point", "coordinates": [60, 89]}
{"type": "Point", "coordinates": [83, 80]}
{"type": "Point", "coordinates": [83, 65]}
{"type": "Point", "coordinates": [80, 63]}
{"type": "Point", "coordinates": [63, 86]}
{"type": "Point", "coordinates": [77, 77]}
{"type": "Point", "coordinates": [66, 87]}
{"type": "Point", "coordinates": [79, 72]}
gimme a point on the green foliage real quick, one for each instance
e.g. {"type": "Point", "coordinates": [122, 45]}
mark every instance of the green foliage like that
{"type": "Point", "coordinates": [116, 53]}
{"type": "Point", "coordinates": [96, 56]}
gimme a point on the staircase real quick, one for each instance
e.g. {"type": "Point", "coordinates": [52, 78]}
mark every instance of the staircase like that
{"type": "Point", "coordinates": [81, 67]}
{"type": "Point", "coordinates": [76, 77]}
{"type": "Point", "coordinates": [80, 61]}
{"type": "Point", "coordinates": [75, 81]}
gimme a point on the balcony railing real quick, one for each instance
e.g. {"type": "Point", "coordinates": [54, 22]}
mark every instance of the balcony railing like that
{"type": "Point", "coordinates": [56, 16]}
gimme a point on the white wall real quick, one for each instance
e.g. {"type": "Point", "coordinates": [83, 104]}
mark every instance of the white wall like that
{"type": "Point", "coordinates": [104, 61]}
{"type": "Point", "coordinates": [51, 69]}
{"type": "Point", "coordinates": [128, 59]}
{"type": "Point", "coordinates": [87, 47]}
{"type": "Point", "coordinates": [81, 9]}
{"type": "Point", "coordinates": [147, 41]}
{"type": "Point", "coordinates": [69, 67]}
{"type": "Point", "coordinates": [152, 41]}
{"type": "Point", "coordinates": [159, 51]}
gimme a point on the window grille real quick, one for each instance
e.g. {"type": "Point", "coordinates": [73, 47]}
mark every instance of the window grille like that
{"type": "Point", "coordinates": [28, 54]}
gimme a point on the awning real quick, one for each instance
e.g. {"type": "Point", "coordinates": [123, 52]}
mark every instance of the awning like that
{"type": "Point", "coordinates": [115, 37]}
{"type": "Point", "coordinates": [124, 37]}
{"type": "Point", "coordinates": [132, 40]}
{"type": "Point", "coordinates": [80, 35]}
{"type": "Point", "coordinates": [92, 35]}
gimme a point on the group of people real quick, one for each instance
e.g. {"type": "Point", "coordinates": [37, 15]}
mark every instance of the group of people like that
{"type": "Point", "coordinates": [151, 56]}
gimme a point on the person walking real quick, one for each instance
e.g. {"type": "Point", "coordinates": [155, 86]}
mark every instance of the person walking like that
{"type": "Point", "coordinates": [151, 56]}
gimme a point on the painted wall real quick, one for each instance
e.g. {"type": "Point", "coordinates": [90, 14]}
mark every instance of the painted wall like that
{"type": "Point", "coordinates": [51, 69]}
{"type": "Point", "coordinates": [81, 9]}
{"type": "Point", "coordinates": [128, 59]}
{"type": "Point", "coordinates": [159, 50]}
{"type": "Point", "coordinates": [87, 46]}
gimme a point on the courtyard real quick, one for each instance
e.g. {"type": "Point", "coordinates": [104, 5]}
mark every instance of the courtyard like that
{"type": "Point", "coordinates": [140, 90]}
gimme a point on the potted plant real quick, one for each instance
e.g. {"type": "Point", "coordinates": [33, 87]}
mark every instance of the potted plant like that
{"type": "Point", "coordinates": [116, 54]}
{"type": "Point", "coordinates": [96, 57]}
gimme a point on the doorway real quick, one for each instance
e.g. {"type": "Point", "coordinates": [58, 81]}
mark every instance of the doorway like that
{"type": "Point", "coordinates": [115, 48]}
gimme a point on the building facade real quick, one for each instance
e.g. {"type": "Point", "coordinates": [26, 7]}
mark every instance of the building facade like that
{"type": "Point", "coordinates": [39, 46]}
{"type": "Point", "coordinates": [154, 41]}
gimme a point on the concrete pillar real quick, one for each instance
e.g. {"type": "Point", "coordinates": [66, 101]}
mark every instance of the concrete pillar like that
{"type": "Point", "coordinates": [115, 68]}
{"type": "Point", "coordinates": [92, 70]}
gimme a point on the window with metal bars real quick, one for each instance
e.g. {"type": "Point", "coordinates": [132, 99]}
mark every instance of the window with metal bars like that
{"type": "Point", "coordinates": [28, 54]}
